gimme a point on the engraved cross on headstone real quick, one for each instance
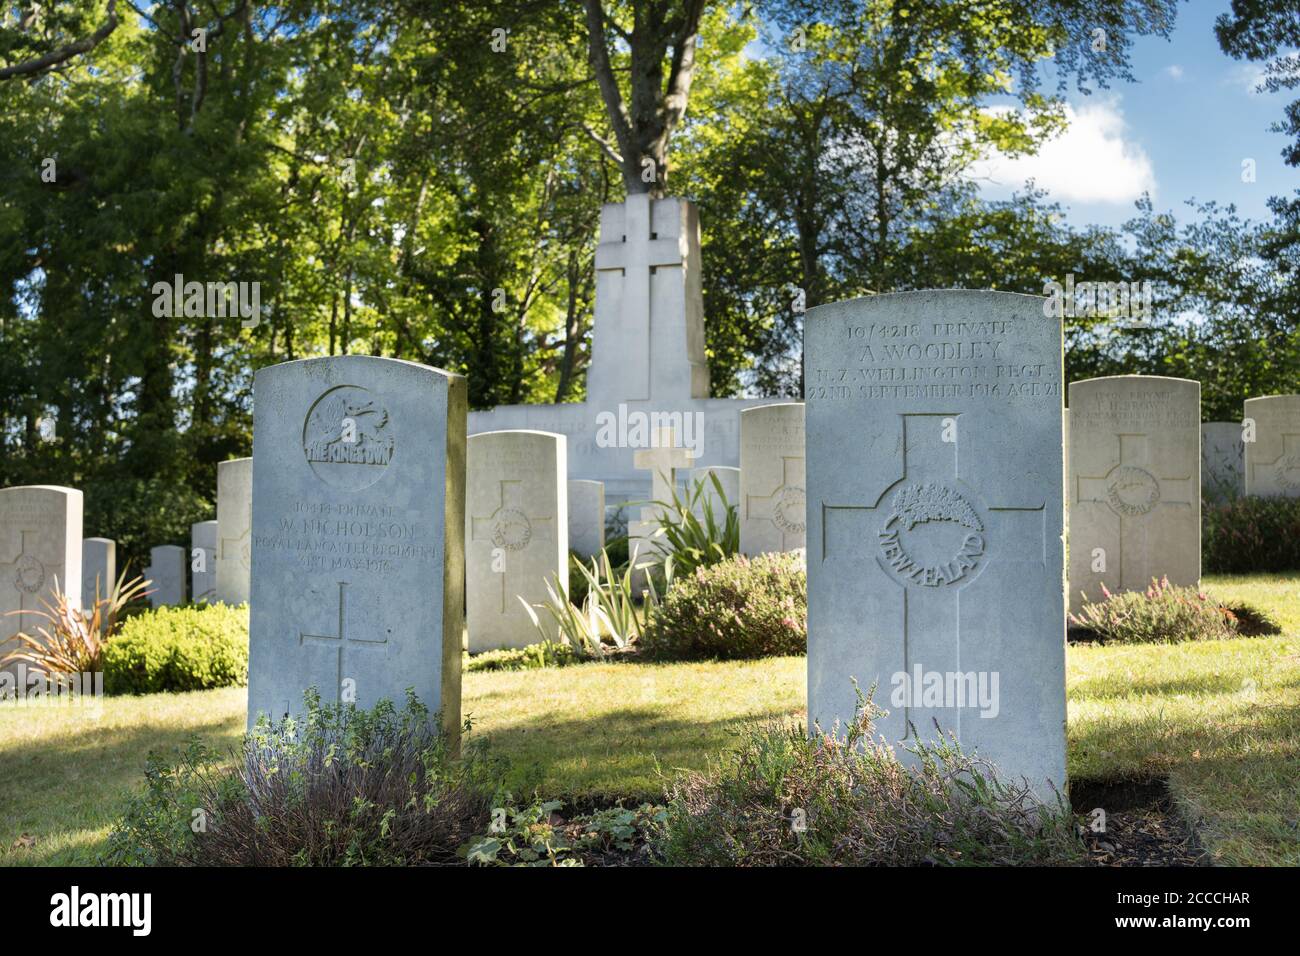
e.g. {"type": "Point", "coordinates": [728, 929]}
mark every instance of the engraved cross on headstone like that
{"type": "Point", "coordinates": [930, 622]}
{"type": "Point", "coordinates": [510, 528]}
{"type": "Point", "coordinates": [28, 600]}
{"type": "Point", "coordinates": [1132, 492]}
{"type": "Point", "coordinates": [637, 253]}
{"type": "Point", "coordinates": [1286, 466]}
{"type": "Point", "coordinates": [765, 506]}
{"type": "Point", "coordinates": [235, 549]}
{"type": "Point", "coordinates": [340, 643]}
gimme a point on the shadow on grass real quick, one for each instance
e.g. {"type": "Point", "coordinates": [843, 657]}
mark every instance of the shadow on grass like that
{"type": "Point", "coordinates": [1110, 688]}
{"type": "Point", "coordinates": [628, 754]}
{"type": "Point", "coordinates": [1233, 772]}
{"type": "Point", "coordinates": [77, 783]}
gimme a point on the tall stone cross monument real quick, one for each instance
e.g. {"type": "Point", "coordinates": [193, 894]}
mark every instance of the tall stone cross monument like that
{"type": "Point", "coordinates": [649, 331]}
{"type": "Point", "coordinates": [648, 369]}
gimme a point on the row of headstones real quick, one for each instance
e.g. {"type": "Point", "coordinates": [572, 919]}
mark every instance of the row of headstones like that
{"type": "Point", "coordinates": [217, 559]}
{"type": "Point", "coordinates": [1135, 467]}
{"type": "Point", "coordinates": [1260, 455]}
{"type": "Point", "coordinates": [771, 499]}
{"type": "Point", "coordinates": [936, 535]}
{"type": "Point", "coordinates": [524, 517]}
{"type": "Point", "coordinates": [934, 450]}
{"type": "Point", "coordinates": [1139, 460]}
{"type": "Point", "coordinates": [41, 547]}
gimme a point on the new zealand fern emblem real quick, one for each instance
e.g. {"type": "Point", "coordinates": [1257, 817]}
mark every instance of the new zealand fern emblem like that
{"type": "Point", "coordinates": [932, 537]}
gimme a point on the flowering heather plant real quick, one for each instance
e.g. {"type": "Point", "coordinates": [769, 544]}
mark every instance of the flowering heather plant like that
{"type": "Point", "coordinates": [738, 608]}
{"type": "Point", "coordinates": [1163, 614]}
{"type": "Point", "coordinates": [782, 797]}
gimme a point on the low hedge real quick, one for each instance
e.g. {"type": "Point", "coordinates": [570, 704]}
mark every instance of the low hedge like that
{"type": "Point", "coordinates": [191, 647]}
{"type": "Point", "coordinates": [1250, 534]}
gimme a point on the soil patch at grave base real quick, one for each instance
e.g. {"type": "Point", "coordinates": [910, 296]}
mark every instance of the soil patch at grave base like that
{"type": "Point", "coordinates": [1142, 826]}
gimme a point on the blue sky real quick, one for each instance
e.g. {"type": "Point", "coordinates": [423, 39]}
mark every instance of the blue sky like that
{"type": "Point", "coordinates": [1180, 131]}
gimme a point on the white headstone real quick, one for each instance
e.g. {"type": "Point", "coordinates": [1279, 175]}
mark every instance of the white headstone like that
{"type": "Point", "coordinates": [98, 569]}
{"type": "Point", "coordinates": [234, 521]}
{"type": "Point", "coordinates": [1135, 483]}
{"type": "Point", "coordinates": [203, 560]}
{"type": "Point", "coordinates": [773, 513]}
{"type": "Point", "coordinates": [728, 478]}
{"type": "Point", "coordinates": [1273, 458]}
{"type": "Point", "coordinates": [935, 521]}
{"type": "Point", "coordinates": [40, 549]}
{"type": "Point", "coordinates": [357, 550]}
{"type": "Point", "coordinates": [166, 574]}
{"type": "Point", "coordinates": [1223, 467]}
{"type": "Point", "coordinates": [586, 517]}
{"type": "Point", "coordinates": [516, 534]}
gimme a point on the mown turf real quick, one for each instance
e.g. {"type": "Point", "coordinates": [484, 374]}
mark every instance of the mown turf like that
{"type": "Point", "coordinates": [1220, 720]}
{"type": "Point", "coordinates": [64, 770]}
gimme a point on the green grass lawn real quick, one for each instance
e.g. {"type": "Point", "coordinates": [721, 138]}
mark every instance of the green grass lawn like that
{"type": "Point", "coordinates": [1220, 720]}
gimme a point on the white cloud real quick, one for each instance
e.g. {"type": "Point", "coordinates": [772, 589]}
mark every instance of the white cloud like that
{"type": "Point", "coordinates": [1174, 71]}
{"type": "Point", "coordinates": [1090, 161]}
{"type": "Point", "coordinates": [1245, 76]}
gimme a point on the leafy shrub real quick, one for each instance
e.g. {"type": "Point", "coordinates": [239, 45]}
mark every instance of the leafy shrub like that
{"type": "Point", "coordinates": [179, 649]}
{"type": "Point", "coordinates": [739, 608]}
{"type": "Point", "coordinates": [691, 533]}
{"type": "Point", "coordinates": [72, 640]}
{"type": "Point", "coordinates": [1250, 534]}
{"type": "Point", "coordinates": [783, 799]}
{"type": "Point", "coordinates": [609, 619]}
{"type": "Point", "coordinates": [616, 546]}
{"type": "Point", "coordinates": [1162, 614]}
{"type": "Point", "coordinates": [532, 657]}
{"type": "Point", "coordinates": [537, 835]}
{"type": "Point", "coordinates": [577, 580]}
{"type": "Point", "coordinates": [337, 787]}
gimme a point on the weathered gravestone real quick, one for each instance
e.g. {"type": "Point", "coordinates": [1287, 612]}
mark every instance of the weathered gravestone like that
{"type": "Point", "coordinates": [728, 479]}
{"type": "Point", "coordinates": [586, 517]}
{"type": "Point", "coordinates": [935, 513]}
{"type": "Point", "coordinates": [772, 500]}
{"type": "Point", "coordinates": [1135, 484]}
{"type": "Point", "coordinates": [1223, 468]}
{"type": "Point", "coordinates": [166, 574]}
{"type": "Point", "coordinates": [357, 550]}
{"type": "Point", "coordinates": [516, 534]}
{"type": "Point", "coordinates": [203, 560]}
{"type": "Point", "coordinates": [40, 551]}
{"type": "Point", "coordinates": [98, 569]}
{"type": "Point", "coordinates": [234, 523]}
{"type": "Point", "coordinates": [1273, 458]}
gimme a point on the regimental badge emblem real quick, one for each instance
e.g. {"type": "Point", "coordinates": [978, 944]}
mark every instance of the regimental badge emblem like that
{"type": "Point", "coordinates": [790, 513]}
{"type": "Point", "coordinates": [29, 575]}
{"type": "Point", "coordinates": [348, 438]}
{"type": "Point", "coordinates": [1288, 472]}
{"type": "Point", "coordinates": [933, 536]}
{"type": "Point", "coordinates": [511, 529]}
{"type": "Point", "coordinates": [1132, 491]}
